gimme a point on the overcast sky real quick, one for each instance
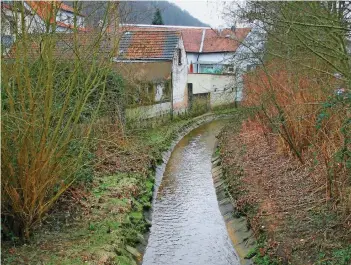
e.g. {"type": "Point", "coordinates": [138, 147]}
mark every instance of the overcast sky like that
{"type": "Point", "coordinates": [207, 11]}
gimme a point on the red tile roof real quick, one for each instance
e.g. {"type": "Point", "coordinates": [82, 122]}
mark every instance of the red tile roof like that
{"type": "Point", "coordinates": [224, 41]}
{"type": "Point", "coordinates": [214, 41]}
{"type": "Point", "coordinates": [6, 6]}
{"type": "Point", "coordinates": [46, 11]}
{"type": "Point", "coordinates": [148, 45]}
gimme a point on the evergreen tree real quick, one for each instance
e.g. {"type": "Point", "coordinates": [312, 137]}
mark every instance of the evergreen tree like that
{"type": "Point", "coordinates": [157, 20]}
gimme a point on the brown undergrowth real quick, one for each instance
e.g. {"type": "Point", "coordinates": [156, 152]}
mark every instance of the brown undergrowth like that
{"type": "Point", "coordinates": [104, 222]}
{"type": "Point", "coordinates": [283, 199]}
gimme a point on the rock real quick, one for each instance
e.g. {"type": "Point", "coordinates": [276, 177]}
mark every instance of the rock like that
{"type": "Point", "coordinates": [141, 238]}
{"type": "Point", "coordinates": [133, 251]}
{"type": "Point", "coordinates": [213, 160]}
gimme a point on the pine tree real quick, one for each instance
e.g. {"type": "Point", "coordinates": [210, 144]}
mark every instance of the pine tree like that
{"type": "Point", "coordinates": [157, 20]}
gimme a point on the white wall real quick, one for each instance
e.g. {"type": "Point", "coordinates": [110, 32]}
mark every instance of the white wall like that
{"type": "Point", "coordinates": [223, 89]}
{"type": "Point", "coordinates": [222, 98]}
{"type": "Point", "coordinates": [209, 58]}
{"type": "Point", "coordinates": [192, 58]}
{"type": "Point", "coordinates": [204, 83]}
{"type": "Point", "coordinates": [179, 80]}
{"type": "Point", "coordinates": [68, 18]}
{"type": "Point", "coordinates": [218, 57]}
{"type": "Point", "coordinates": [147, 112]}
{"type": "Point", "coordinates": [250, 51]}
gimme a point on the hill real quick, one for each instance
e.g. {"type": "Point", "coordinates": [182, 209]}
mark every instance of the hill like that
{"type": "Point", "coordinates": [140, 12]}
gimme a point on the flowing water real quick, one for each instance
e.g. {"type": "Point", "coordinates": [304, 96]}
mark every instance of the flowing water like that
{"type": "Point", "coordinates": [187, 226]}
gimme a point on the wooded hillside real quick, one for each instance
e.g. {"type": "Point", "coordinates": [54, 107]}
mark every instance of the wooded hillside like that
{"type": "Point", "coordinates": [141, 12]}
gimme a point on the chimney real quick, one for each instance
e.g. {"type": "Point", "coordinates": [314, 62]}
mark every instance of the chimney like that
{"type": "Point", "coordinates": [233, 28]}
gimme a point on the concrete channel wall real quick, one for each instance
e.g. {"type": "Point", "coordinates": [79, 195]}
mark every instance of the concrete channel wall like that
{"type": "Point", "coordinates": [237, 227]}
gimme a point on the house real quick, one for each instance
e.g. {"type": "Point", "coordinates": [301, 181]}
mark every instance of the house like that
{"type": "Point", "coordinates": [55, 13]}
{"type": "Point", "coordinates": [39, 17]}
{"type": "Point", "coordinates": [213, 68]}
{"type": "Point", "coordinates": [156, 61]}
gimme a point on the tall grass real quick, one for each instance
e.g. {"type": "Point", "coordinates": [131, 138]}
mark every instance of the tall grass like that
{"type": "Point", "coordinates": [50, 99]}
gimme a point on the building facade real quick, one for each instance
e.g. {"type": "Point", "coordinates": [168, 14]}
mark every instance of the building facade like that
{"type": "Point", "coordinates": [155, 63]}
{"type": "Point", "coordinates": [214, 53]}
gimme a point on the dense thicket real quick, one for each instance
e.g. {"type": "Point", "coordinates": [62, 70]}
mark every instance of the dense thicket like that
{"type": "Point", "coordinates": [302, 86]}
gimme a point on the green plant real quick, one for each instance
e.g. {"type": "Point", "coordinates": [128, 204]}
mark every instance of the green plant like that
{"type": "Point", "coordinates": [52, 96]}
{"type": "Point", "coordinates": [199, 105]}
{"type": "Point", "coordinates": [338, 257]}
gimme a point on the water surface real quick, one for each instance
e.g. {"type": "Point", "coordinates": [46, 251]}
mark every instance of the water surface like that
{"type": "Point", "coordinates": [187, 226]}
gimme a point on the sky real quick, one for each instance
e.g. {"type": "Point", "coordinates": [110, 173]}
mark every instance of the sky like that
{"type": "Point", "coordinates": [207, 11]}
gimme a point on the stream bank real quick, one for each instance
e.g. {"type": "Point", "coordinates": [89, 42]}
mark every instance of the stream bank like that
{"type": "Point", "coordinates": [104, 224]}
{"type": "Point", "coordinates": [282, 200]}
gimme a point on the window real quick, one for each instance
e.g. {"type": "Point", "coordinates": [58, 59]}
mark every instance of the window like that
{"type": "Point", "coordinates": [179, 56]}
{"type": "Point", "coordinates": [211, 68]}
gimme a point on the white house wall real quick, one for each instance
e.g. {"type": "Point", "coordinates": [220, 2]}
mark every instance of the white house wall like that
{"type": "Point", "coordinates": [147, 112]}
{"type": "Point", "coordinates": [250, 51]}
{"type": "Point", "coordinates": [68, 18]}
{"type": "Point", "coordinates": [209, 58]}
{"type": "Point", "coordinates": [223, 98]}
{"type": "Point", "coordinates": [205, 83]}
{"type": "Point", "coordinates": [217, 58]}
{"type": "Point", "coordinates": [192, 58]}
{"type": "Point", "coordinates": [179, 80]}
{"type": "Point", "coordinates": [223, 89]}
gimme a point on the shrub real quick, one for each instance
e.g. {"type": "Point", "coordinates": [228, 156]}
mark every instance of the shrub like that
{"type": "Point", "coordinates": [51, 98]}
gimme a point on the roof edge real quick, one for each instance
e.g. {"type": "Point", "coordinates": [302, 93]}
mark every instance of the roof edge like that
{"type": "Point", "coordinates": [142, 60]}
{"type": "Point", "coordinates": [163, 26]}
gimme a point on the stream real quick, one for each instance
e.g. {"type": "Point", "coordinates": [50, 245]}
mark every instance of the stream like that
{"type": "Point", "coordinates": [187, 226]}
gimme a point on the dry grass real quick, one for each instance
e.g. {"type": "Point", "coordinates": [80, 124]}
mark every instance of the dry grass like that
{"type": "Point", "coordinates": [283, 198]}
{"type": "Point", "coordinates": [310, 120]}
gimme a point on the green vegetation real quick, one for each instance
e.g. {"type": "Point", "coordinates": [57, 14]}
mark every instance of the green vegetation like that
{"type": "Point", "coordinates": [110, 222]}
{"type": "Point", "coordinates": [338, 257]}
{"type": "Point", "coordinates": [157, 20]}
